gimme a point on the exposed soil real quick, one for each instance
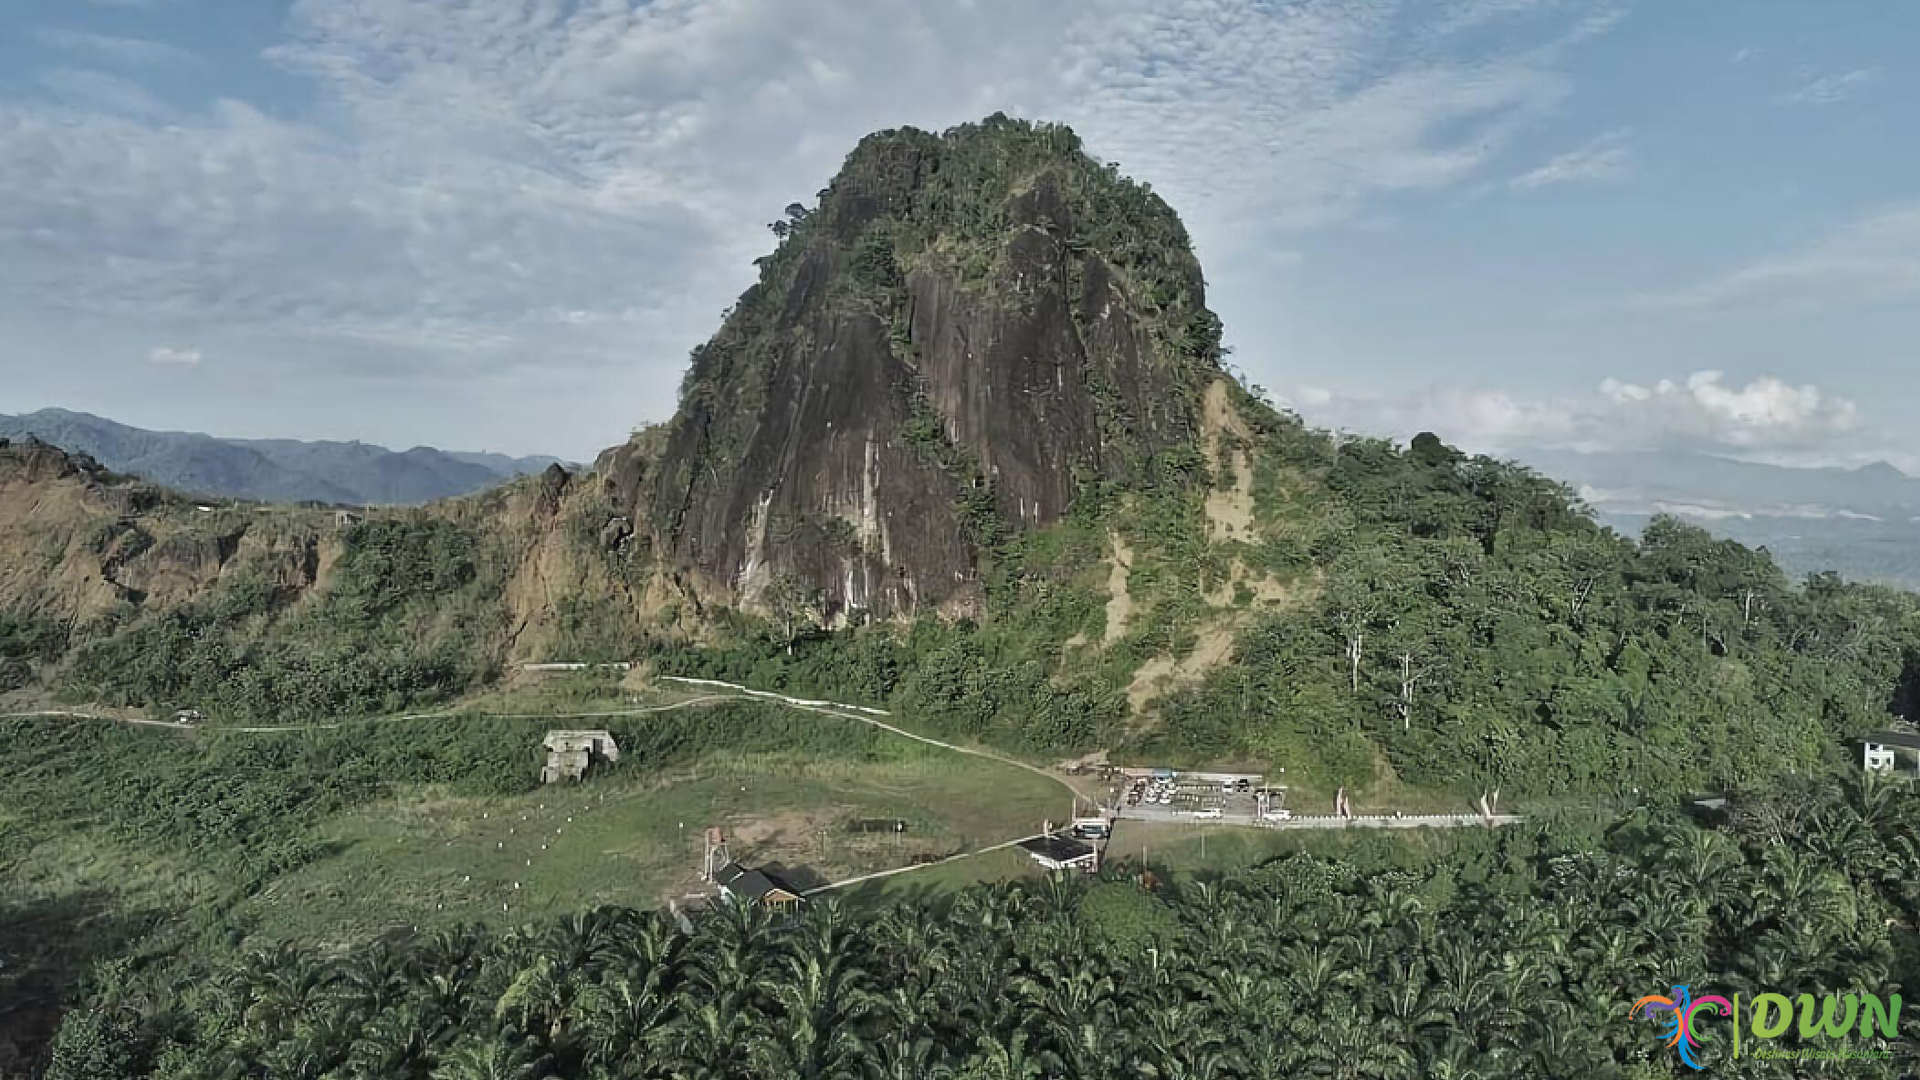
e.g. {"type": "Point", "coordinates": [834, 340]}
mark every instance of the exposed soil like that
{"type": "Point", "coordinates": [1119, 602]}
{"type": "Point", "coordinates": [1230, 503]}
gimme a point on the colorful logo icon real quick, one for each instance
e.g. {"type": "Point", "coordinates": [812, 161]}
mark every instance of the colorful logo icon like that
{"type": "Point", "coordinates": [1680, 1008]}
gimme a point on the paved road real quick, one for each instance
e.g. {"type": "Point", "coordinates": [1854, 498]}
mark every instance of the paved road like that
{"type": "Point", "coordinates": [1388, 821]}
{"type": "Point", "coordinates": [1158, 815]}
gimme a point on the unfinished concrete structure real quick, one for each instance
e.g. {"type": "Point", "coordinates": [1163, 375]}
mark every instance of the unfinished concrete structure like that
{"type": "Point", "coordinates": [1881, 752]}
{"type": "Point", "coordinates": [571, 753]}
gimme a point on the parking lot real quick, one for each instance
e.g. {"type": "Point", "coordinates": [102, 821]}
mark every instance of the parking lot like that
{"type": "Point", "coordinates": [1198, 797]}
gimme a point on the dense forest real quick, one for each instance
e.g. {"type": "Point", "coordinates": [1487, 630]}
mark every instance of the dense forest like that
{"type": "Point", "coordinates": [1517, 953]}
{"type": "Point", "coordinates": [1460, 619]}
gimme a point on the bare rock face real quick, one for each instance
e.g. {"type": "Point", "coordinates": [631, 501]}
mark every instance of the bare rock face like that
{"type": "Point", "coordinates": [823, 489]}
{"type": "Point", "coordinates": [967, 329]}
{"type": "Point", "coordinates": [553, 485]}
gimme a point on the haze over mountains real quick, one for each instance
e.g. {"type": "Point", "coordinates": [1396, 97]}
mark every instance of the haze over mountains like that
{"type": "Point", "coordinates": [1863, 523]}
{"type": "Point", "coordinates": [273, 470]}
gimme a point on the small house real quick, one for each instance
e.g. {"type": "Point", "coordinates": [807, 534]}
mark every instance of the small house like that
{"type": "Point", "coordinates": [1060, 853]}
{"type": "Point", "coordinates": [758, 887]}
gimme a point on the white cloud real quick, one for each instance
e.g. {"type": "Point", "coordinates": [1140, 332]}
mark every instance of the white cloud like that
{"type": "Point", "coordinates": [469, 168]}
{"type": "Point", "coordinates": [1875, 258]}
{"type": "Point", "coordinates": [1766, 417]}
{"type": "Point", "coordinates": [175, 356]}
{"type": "Point", "coordinates": [1765, 414]}
{"type": "Point", "coordinates": [1604, 158]}
{"type": "Point", "coordinates": [1476, 417]}
{"type": "Point", "coordinates": [1827, 89]}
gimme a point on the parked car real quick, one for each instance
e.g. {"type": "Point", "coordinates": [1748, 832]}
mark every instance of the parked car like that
{"type": "Point", "coordinates": [1277, 815]}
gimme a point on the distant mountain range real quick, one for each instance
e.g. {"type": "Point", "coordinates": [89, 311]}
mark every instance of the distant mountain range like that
{"type": "Point", "coordinates": [1863, 523]}
{"type": "Point", "coordinates": [274, 470]}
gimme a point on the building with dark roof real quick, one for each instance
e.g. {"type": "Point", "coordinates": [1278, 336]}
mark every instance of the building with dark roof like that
{"type": "Point", "coordinates": [758, 886]}
{"type": "Point", "coordinates": [1060, 852]}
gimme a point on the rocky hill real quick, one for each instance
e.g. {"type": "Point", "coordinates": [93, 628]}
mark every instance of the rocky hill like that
{"type": "Point", "coordinates": [966, 448]}
{"type": "Point", "coordinates": [965, 331]}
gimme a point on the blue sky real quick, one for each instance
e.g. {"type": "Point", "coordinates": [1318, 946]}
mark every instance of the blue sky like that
{"type": "Point", "coordinates": [501, 224]}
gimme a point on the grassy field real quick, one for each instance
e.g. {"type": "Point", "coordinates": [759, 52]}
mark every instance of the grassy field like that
{"type": "Point", "coordinates": [426, 856]}
{"type": "Point", "coordinates": [1189, 850]}
{"type": "Point", "coordinates": [67, 903]}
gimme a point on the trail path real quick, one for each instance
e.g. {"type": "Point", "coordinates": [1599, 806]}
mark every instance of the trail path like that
{"type": "Point", "coordinates": [918, 866]}
{"type": "Point", "coordinates": [832, 708]}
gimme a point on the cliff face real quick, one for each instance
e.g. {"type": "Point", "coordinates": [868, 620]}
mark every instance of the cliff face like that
{"type": "Point", "coordinates": [968, 327]}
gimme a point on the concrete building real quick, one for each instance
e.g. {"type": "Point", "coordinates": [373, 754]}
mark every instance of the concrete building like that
{"type": "Point", "coordinates": [571, 753]}
{"type": "Point", "coordinates": [1881, 751]}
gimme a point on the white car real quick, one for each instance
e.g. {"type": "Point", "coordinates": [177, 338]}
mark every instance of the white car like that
{"type": "Point", "coordinates": [1211, 813]}
{"type": "Point", "coordinates": [1277, 815]}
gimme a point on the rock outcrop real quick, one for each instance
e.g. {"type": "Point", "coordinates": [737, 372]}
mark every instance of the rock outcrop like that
{"type": "Point", "coordinates": [968, 328]}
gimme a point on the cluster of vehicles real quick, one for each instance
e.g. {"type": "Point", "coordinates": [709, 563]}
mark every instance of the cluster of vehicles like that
{"type": "Point", "coordinates": [1206, 798]}
{"type": "Point", "coordinates": [1156, 790]}
{"type": "Point", "coordinates": [1163, 789]}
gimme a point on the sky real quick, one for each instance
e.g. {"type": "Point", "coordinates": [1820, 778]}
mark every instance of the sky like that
{"type": "Point", "coordinates": [502, 224]}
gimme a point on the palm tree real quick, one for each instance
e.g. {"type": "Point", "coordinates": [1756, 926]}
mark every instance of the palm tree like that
{"type": "Point", "coordinates": [1005, 1058]}
{"type": "Point", "coordinates": [906, 1059]}
{"type": "Point", "coordinates": [822, 999]}
{"type": "Point", "coordinates": [487, 1058]}
{"type": "Point", "coordinates": [627, 1013]}
{"type": "Point", "coordinates": [395, 1043]}
{"type": "Point", "coordinates": [285, 984]}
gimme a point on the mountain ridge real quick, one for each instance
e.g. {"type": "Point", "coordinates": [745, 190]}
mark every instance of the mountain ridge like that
{"type": "Point", "coordinates": [273, 470]}
{"type": "Point", "coordinates": [1862, 522]}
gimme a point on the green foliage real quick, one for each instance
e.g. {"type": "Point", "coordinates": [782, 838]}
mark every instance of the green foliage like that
{"type": "Point", "coordinates": [406, 618]}
{"type": "Point", "coordinates": [244, 804]}
{"type": "Point", "coordinates": [872, 267]}
{"type": "Point", "coordinates": [24, 642]}
{"type": "Point", "coordinates": [1512, 955]}
{"type": "Point", "coordinates": [1127, 919]}
{"type": "Point", "coordinates": [1473, 629]}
